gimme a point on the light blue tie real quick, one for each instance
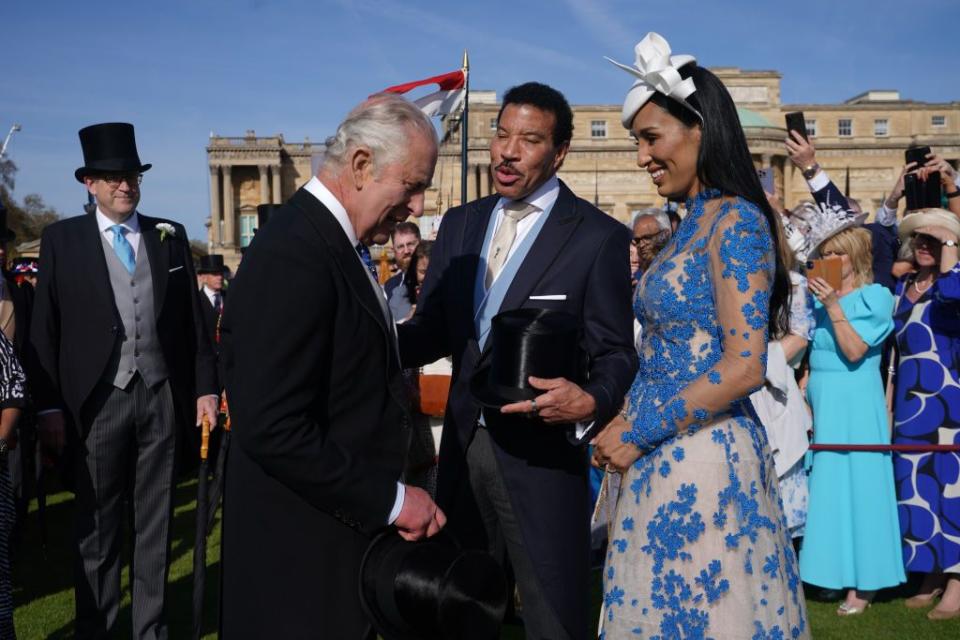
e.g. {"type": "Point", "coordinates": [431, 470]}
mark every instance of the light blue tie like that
{"type": "Point", "coordinates": [123, 248]}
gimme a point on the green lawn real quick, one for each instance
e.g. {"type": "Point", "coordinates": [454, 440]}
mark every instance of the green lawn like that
{"type": "Point", "coordinates": [44, 596]}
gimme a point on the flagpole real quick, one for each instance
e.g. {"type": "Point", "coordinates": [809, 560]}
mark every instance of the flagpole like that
{"type": "Point", "coordinates": [463, 129]}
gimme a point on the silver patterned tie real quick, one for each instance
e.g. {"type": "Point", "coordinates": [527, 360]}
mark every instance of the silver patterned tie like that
{"type": "Point", "coordinates": [513, 213]}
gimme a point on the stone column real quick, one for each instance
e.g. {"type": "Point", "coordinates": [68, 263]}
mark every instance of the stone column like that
{"type": "Point", "coordinates": [229, 212]}
{"type": "Point", "coordinates": [216, 213]}
{"type": "Point", "coordinates": [264, 184]}
{"type": "Point", "coordinates": [277, 196]}
{"type": "Point", "coordinates": [766, 160]}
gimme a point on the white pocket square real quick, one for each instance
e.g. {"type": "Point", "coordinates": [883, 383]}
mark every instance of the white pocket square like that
{"type": "Point", "coordinates": [556, 296]}
{"type": "Point", "coordinates": [176, 269]}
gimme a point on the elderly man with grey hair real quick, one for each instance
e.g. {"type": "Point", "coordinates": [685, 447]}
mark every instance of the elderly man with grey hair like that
{"type": "Point", "coordinates": [316, 394]}
{"type": "Point", "coordinates": [651, 231]}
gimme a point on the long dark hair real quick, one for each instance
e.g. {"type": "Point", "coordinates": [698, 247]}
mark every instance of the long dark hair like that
{"type": "Point", "coordinates": [410, 279]}
{"type": "Point", "coordinates": [724, 163]}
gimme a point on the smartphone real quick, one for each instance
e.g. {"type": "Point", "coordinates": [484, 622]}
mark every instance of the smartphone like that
{"type": "Point", "coordinates": [916, 154]}
{"type": "Point", "coordinates": [827, 268]}
{"type": "Point", "coordinates": [766, 180]}
{"type": "Point", "coordinates": [922, 194]}
{"type": "Point", "coordinates": [796, 122]}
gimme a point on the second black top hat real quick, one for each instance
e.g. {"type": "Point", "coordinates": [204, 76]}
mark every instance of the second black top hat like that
{"type": "Point", "coordinates": [528, 342]}
{"type": "Point", "coordinates": [110, 147]}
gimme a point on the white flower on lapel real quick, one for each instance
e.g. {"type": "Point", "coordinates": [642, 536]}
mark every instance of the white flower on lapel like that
{"type": "Point", "coordinates": [166, 229]}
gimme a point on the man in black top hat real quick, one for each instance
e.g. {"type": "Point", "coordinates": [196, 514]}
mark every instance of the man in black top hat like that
{"type": "Point", "coordinates": [518, 475]}
{"type": "Point", "coordinates": [119, 333]}
{"type": "Point", "coordinates": [210, 273]}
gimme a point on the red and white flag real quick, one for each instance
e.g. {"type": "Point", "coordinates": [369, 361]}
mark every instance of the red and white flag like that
{"type": "Point", "coordinates": [439, 103]}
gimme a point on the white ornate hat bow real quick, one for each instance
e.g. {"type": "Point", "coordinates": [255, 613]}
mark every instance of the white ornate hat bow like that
{"type": "Point", "coordinates": [656, 70]}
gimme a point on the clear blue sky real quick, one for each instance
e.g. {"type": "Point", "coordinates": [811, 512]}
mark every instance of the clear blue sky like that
{"type": "Point", "coordinates": [180, 69]}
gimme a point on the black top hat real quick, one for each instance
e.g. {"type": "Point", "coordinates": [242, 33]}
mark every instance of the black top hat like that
{"type": "Point", "coordinates": [6, 234]}
{"type": "Point", "coordinates": [109, 148]}
{"type": "Point", "coordinates": [527, 342]}
{"type": "Point", "coordinates": [431, 589]}
{"type": "Point", "coordinates": [212, 263]}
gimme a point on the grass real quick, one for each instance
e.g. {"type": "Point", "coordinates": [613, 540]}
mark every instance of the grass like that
{"type": "Point", "coordinates": [44, 596]}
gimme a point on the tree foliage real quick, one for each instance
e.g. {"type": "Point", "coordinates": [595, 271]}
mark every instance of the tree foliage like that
{"type": "Point", "coordinates": [26, 219]}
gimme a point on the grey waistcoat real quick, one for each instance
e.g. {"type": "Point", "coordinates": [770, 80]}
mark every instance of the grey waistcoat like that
{"type": "Point", "coordinates": [137, 349]}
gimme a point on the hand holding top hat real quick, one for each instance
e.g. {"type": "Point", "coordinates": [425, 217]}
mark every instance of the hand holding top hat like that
{"type": "Point", "coordinates": [533, 351]}
{"type": "Point", "coordinates": [564, 402]}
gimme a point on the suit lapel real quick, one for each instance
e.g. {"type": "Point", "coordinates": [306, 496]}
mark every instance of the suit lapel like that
{"type": "Point", "coordinates": [91, 249]}
{"type": "Point", "coordinates": [556, 232]}
{"type": "Point", "coordinates": [159, 256]}
{"type": "Point", "coordinates": [474, 231]}
{"type": "Point", "coordinates": [344, 255]}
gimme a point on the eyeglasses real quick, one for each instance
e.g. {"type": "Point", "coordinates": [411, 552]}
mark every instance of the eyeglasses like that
{"type": "Point", "coordinates": [115, 180]}
{"type": "Point", "coordinates": [650, 237]}
{"type": "Point", "coordinates": [406, 245]}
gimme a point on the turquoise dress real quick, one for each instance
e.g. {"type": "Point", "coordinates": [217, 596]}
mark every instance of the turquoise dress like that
{"type": "Point", "coordinates": [699, 545]}
{"type": "Point", "coordinates": [852, 537]}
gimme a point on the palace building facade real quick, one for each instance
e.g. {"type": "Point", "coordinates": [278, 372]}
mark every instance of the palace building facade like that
{"type": "Point", "coordinates": [859, 143]}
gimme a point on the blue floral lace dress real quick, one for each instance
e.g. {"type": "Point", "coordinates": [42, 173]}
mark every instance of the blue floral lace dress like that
{"type": "Point", "coordinates": [699, 546]}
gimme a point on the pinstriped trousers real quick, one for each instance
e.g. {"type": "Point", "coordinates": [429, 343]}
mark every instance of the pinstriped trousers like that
{"type": "Point", "coordinates": [127, 454]}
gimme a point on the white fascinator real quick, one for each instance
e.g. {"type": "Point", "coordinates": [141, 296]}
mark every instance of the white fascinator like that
{"type": "Point", "coordinates": [655, 70]}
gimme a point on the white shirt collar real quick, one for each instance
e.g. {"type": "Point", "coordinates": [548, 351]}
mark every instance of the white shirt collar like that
{"type": "Point", "coordinates": [319, 191]}
{"type": "Point", "coordinates": [543, 197]}
{"type": "Point", "coordinates": [131, 224]}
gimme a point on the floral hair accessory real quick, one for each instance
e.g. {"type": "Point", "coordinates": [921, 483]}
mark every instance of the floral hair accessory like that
{"type": "Point", "coordinates": [655, 70]}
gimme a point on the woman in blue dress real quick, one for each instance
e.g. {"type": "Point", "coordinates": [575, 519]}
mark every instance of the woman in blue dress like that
{"type": "Point", "coordinates": [699, 546]}
{"type": "Point", "coordinates": [852, 538]}
{"type": "Point", "coordinates": [927, 409]}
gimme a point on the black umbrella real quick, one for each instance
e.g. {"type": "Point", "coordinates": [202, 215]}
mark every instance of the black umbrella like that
{"type": "Point", "coordinates": [200, 543]}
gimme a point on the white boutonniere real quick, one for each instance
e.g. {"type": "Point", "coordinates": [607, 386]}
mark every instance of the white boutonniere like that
{"type": "Point", "coordinates": [166, 229]}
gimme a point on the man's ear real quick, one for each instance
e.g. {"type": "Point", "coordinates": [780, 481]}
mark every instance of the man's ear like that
{"type": "Point", "coordinates": [361, 166]}
{"type": "Point", "coordinates": [561, 155]}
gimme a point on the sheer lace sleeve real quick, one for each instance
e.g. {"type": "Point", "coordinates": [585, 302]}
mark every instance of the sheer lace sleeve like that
{"type": "Point", "coordinates": [741, 266]}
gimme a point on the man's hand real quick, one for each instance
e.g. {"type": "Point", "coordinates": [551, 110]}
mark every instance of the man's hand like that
{"type": "Point", "coordinates": [51, 431]}
{"type": "Point", "coordinates": [420, 516]}
{"type": "Point", "coordinates": [936, 162]}
{"type": "Point", "coordinates": [893, 200]}
{"type": "Point", "coordinates": [565, 402]}
{"type": "Point", "coordinates": [207, 406]}
{"type": "Point", "coordinates": [610, 451]}
{"type": "Point", "coordinates": [802, 153]}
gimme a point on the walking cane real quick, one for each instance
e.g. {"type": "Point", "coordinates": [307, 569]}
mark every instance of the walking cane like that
{"type": "Point", "coordinates": [216, 490]}
{"type": "Point", "coordinates": [200, 542]}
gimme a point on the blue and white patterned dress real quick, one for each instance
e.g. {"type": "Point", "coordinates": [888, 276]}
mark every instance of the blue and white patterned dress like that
{"type": "Point", "coordinates": [927, 411]}
{"type": "Point", "coordinates": [699, 547]}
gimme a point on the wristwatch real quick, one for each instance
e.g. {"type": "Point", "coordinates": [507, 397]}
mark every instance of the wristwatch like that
{"type": "Point", "coordinates": [949, 243]}
{"type": "Point", "coordinates": [810, 171]}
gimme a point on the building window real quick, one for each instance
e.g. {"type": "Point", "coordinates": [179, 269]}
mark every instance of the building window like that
{"type": "Point", "coordinates": [938, 121]}
{"type": "Point", "coordinates": [845, 127]}
{"type": "Point", "coordinates": [881, 127]}
{"type": "Point", "coordinates": [811, 127]}
{"type": "Point", "coordinates": [598, 128]}
{"type": "Point", "coordinates": [248, 223]}
{"type": "Point", "coordinates": [493, 124]}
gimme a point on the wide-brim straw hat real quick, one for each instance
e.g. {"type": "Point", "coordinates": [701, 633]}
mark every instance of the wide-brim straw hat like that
{"type": "Point", "coordinates": [928, 218]}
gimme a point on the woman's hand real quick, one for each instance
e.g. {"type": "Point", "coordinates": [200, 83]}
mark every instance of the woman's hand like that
{"type": "Point", "coordinates": [940, 233]}
{"type": "Point", "coordinates": [610, 450]}
{"type": "Point", "coordinates": [823, 292]}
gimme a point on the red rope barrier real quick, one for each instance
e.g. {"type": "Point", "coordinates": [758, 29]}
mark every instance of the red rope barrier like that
{"type": "Point", "coordinates": [900, 448]}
